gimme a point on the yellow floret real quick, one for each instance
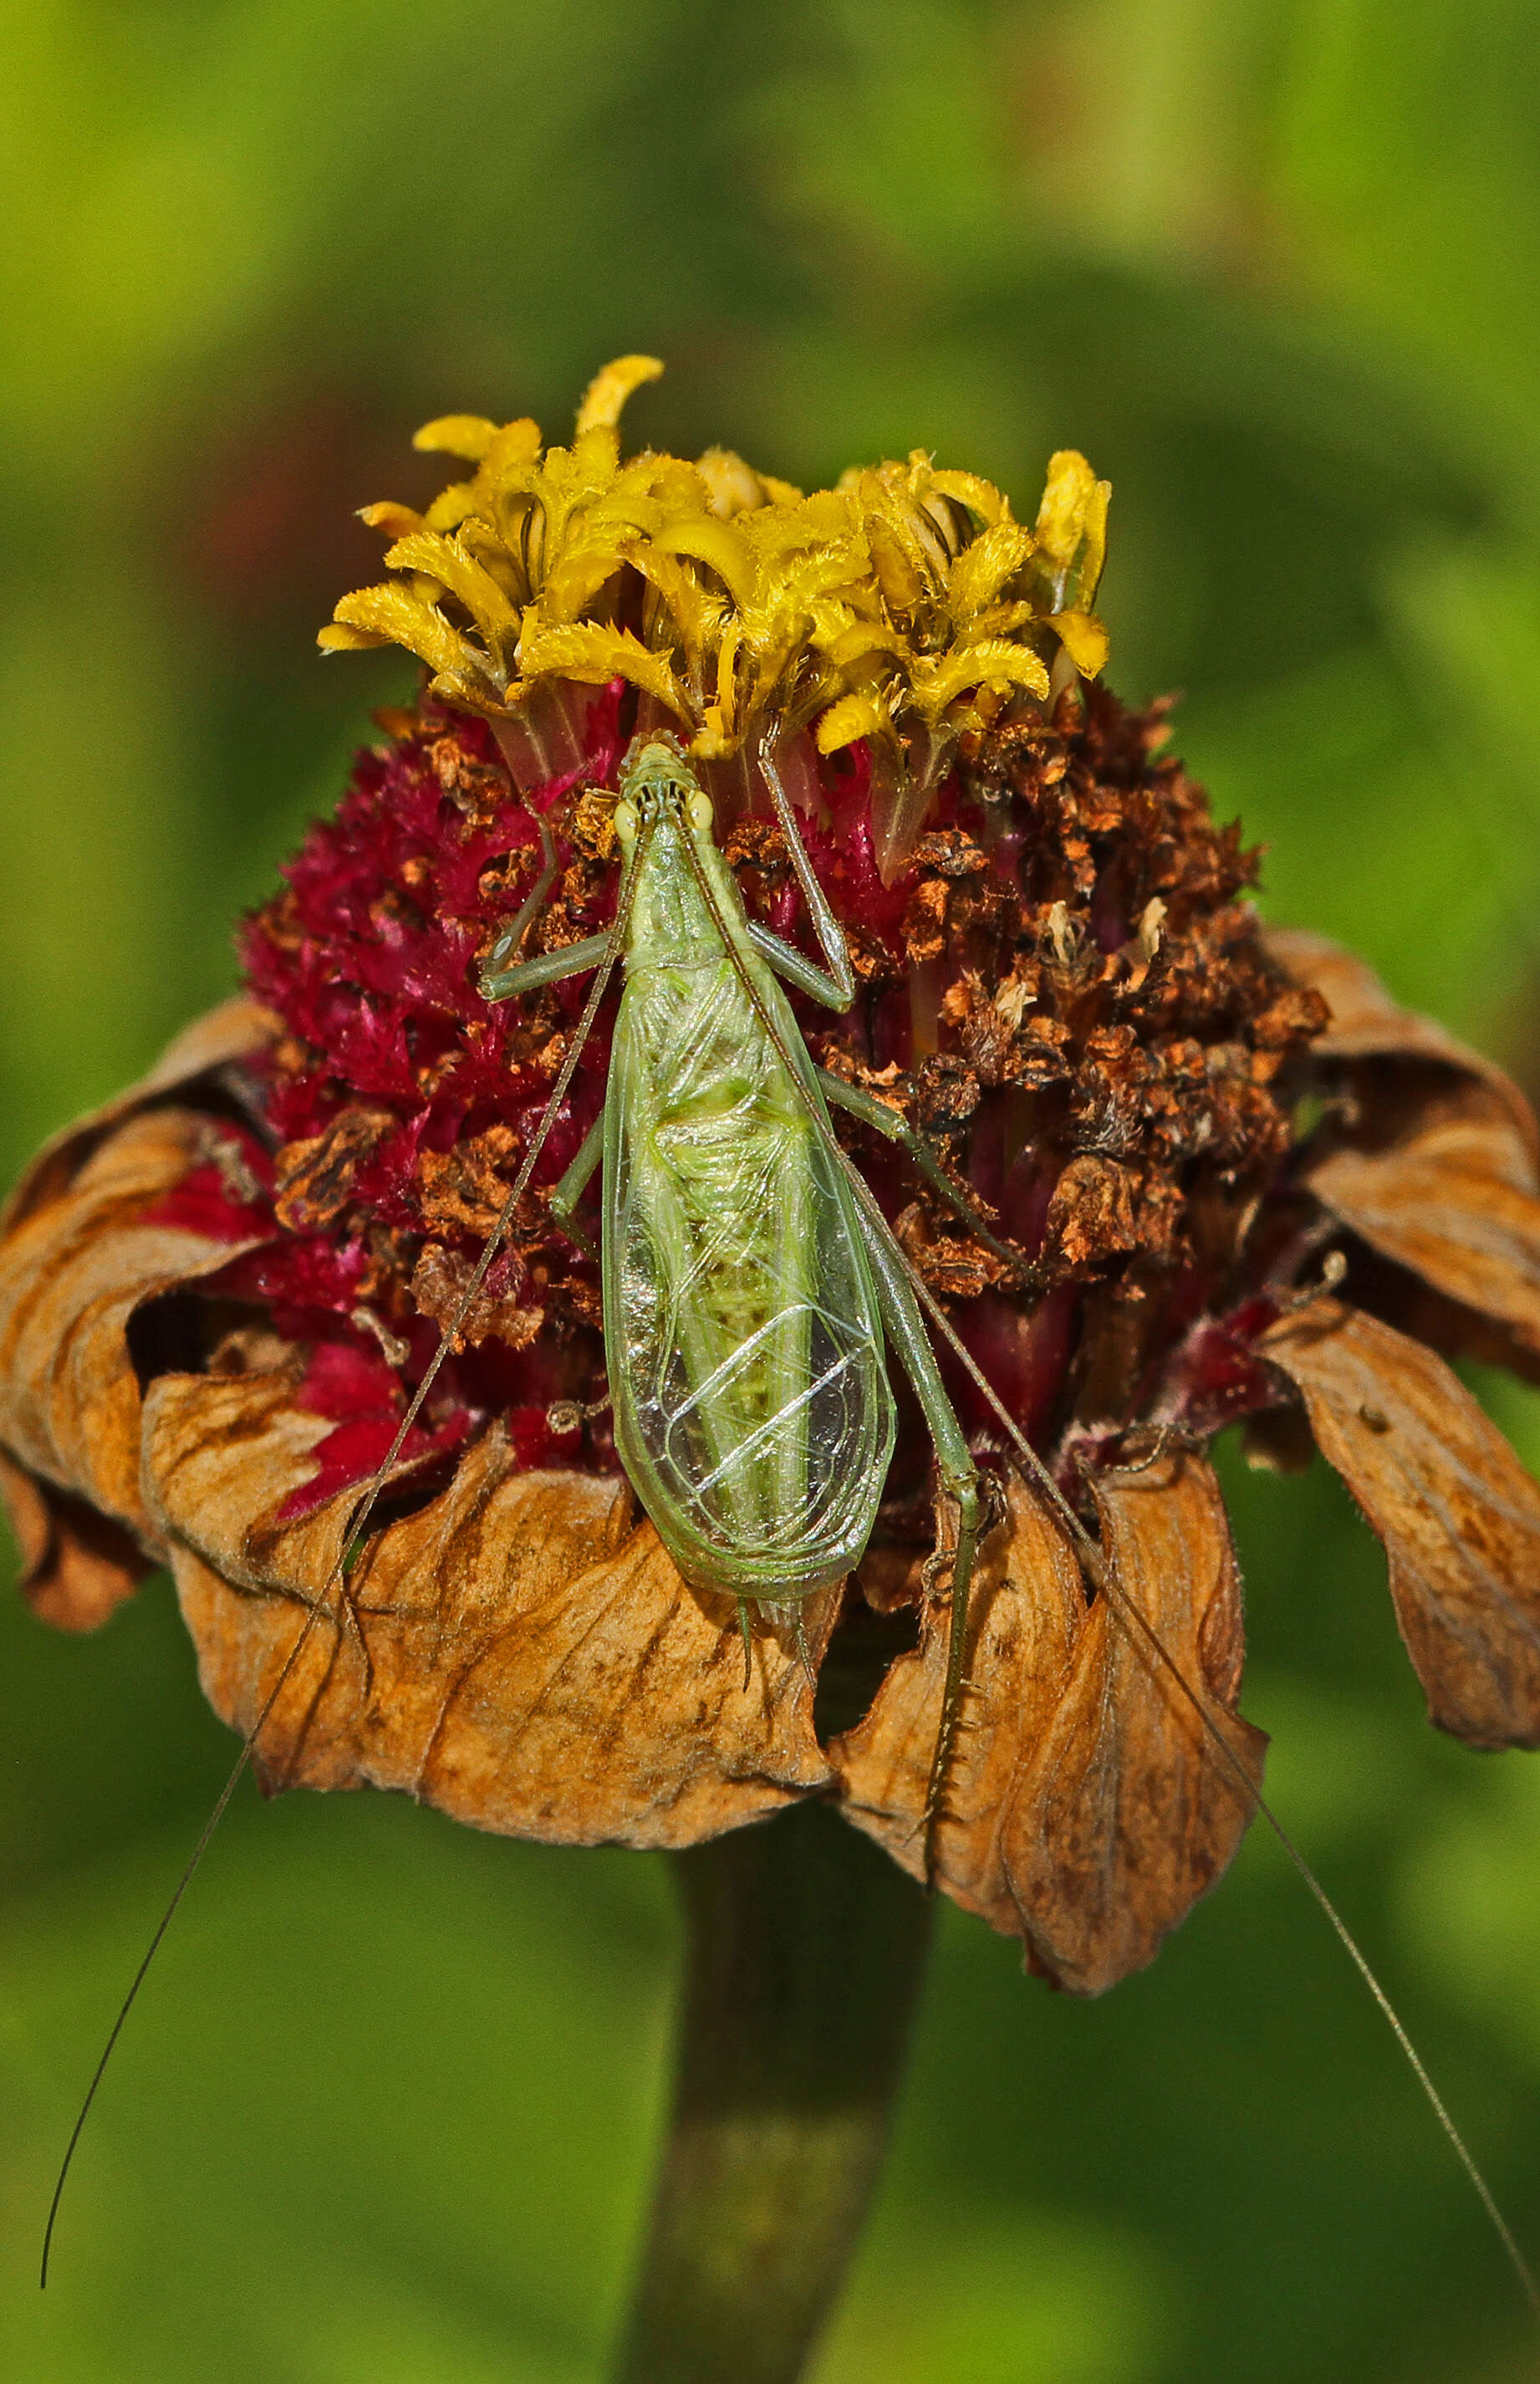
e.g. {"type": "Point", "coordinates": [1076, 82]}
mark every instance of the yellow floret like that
{"type": "Point", "coordinates": [903, 607]}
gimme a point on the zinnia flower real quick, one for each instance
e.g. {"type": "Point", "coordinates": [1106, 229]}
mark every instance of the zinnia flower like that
{"type": "Point", "coordinates": [1223, 1179]}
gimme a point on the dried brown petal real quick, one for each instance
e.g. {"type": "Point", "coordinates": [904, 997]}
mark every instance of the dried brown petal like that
{"type": "Point", "coordinates": [1087, 1806]}
{"type": "Point", "coordinates": [1027, 1613]}
{"type": "Point", "coordinates": [463, 1190]}
{"type": "Point", "coordinates": [534, 1663]}
{"type": "Point", "coordinates": [231, 1032]}
{"type": "Point", "coordinates": [76, 1568]}
{"type": "Point", "coordinates": [1366, 1023]}
{"type": "Point", "coordinates": [440, 1282]}
{"type": "Point", "coordinates": [72, 1273]}
{"type": "Point", "coordinates": [1139, 1812]}
{"type": "Point", "coordinates": [74, 1263]}
{"type": "Point", "coordinates": [924, 921]}
{"type": "Point", "coordinates": [1458, 1515]}
{"type": "Point", "coordinates": [1452, 1199]}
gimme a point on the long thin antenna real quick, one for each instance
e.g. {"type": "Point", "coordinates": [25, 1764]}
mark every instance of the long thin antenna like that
{"type": "Point", "coordinates": [351, 1538]}
{"type": "Point", "coordinates": [1106, 1583]}
{"type": "Point", "coordinates": [1129, 1613]}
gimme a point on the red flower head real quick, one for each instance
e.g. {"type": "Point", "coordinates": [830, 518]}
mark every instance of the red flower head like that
{"type": "Point", "coordinates": [1159, 1170]}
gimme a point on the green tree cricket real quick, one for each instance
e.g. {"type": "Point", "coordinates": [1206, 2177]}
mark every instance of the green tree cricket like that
{"type": "Point", "coordinates": [746, 1288]}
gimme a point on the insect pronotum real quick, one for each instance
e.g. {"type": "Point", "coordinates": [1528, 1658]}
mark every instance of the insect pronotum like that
{"type": "Point", "coordinates": [750, 1281]}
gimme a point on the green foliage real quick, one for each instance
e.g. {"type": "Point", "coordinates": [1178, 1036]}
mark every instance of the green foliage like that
{"type": "Point", "coordinates": [1271, 265]}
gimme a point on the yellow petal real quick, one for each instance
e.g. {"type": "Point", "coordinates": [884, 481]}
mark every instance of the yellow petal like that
{"type": "Point", "coordinates": [338, 637]}
{"type": "Point", "coordinates": [450, 506]}
{"type": "Point", "coordinates": [863, 638]}
{"type": "Point", "coordinates": [900, 581]}
{"type": "Point", "coordinates": [716, 543]}
{"type": "Point", "coordinates": [852, 716]}
{"type": "Point", "coordinates": [595, 655]}
{"type": "Point", "coordinates": [469, 435]}
{"type": "Point", "coordinates": [474, 588]}
{"type": "Point", "coordinates": [722, 710]}
{"type": "Point", "coordinates": [516, 445]}
{"type": "Point", "coordinates": [1093, 554]}
{"type": "Point", "coordinates": [1084, 640]}
{"type": "Point", "coordinates": [396, 521]}
{"type": "Point", "coordinates": [732, 485]}
{"type": "Point", "coordinates": [939, 683]}
{"type": "Point", "coordinates": [981, 497]}
{"type": "Point", "coordinates": [712, 742]}
{"type": "Point", "coordinates": [397, 618]}
{"type": "Point", "coordinates": [697, 613]}
{"type": "Point", "coordinates": [982, 568]}
{"type": "Point", "coordinates": [604, 399]}
{"type": "Point", "coordinates": [1062, 514]}
{"type": "Point", "coordinates": [782, 493]}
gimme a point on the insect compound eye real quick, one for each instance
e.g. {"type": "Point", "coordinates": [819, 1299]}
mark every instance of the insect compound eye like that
{"type": "Point", "coordinates": [626, 820]}
{"type": "Point", "coordinates": [698, 810]}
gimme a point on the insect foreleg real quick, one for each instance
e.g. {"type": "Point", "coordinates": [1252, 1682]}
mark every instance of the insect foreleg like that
{"type": "Point", "coordinates": [550, 968]}
{"type": "Point", "coordinates": [508, 945]}
{"type": "Point", "coordinates": [562, 1198]}
{"type": "Point", "coordinates": [837, 990]}
{"type": "Point", "coordinates": [958, 1480]}
{"type": "Point", "coordinates": [887, 1121]}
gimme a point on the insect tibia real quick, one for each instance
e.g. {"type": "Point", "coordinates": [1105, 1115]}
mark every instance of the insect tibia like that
{"type": "Point", "coordinates": [505, 951]}
{"type": "Point", "coordinates": [550, 968]}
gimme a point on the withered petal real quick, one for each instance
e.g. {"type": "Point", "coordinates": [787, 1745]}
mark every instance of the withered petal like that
{"type": "Point", "coordinates": [1367, 1023]}
{"type": "Point", "coordinates": [1086, 1808]}
{"type": "Point", "coordinates": [76, 1568]}
{"type": "Point", "coordinates": [222, 1037]}
{"type": "Point", "coordinates": [1027, 1612]}
{"type": "Point", "coordinates": [522, 1656]}
{"type": "Point", "coordinates": [1139, 1813]}
{"type": "Point", "coordinates": [1443, 1204]}
{"type": "Point", "coordinates": [1458, 1515]}
{"type": "Point", "coordinates": [78, 1261]}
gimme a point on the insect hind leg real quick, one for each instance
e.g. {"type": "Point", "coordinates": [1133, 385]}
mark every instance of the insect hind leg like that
{"type": "Point", "coordinates": [959, 1479]}
{"type": "Point", "coordinates": [895, 1128]}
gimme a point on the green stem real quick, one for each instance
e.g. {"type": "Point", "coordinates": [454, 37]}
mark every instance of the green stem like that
{"type": "Point", "coordinates": [804, 1954]}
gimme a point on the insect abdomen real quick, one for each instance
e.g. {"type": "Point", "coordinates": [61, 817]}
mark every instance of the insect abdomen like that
{"type": "Point", "coordinates": [753, 1410]}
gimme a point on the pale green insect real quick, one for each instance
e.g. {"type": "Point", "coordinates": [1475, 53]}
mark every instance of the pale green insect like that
{"type": "Point", "coordinates": [748, 1277]}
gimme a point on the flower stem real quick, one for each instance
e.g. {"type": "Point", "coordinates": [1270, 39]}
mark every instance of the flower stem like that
{"type": "Point", "coordinates": [804, 1952]}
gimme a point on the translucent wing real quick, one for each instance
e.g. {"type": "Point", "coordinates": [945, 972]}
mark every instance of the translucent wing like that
{"type": "Point", "coordinates": [753, 1410]}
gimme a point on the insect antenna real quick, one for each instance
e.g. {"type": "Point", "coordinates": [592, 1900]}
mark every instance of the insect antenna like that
{"type": "Point", "coordinates": [1140, 1628]}
{"type": "Point", "coordinates": [1135, 1624]}
{"type": "Point", "coordinates": [356, 1528]}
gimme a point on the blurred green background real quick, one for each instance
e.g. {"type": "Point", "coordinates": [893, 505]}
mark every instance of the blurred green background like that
{"type": "Point", "coordinates": [388, 2105]}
